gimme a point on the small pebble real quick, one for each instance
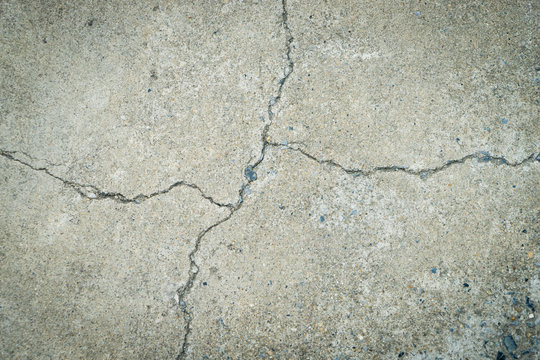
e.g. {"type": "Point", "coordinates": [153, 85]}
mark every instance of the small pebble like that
{"type": "Point", "coordinates": [504, 121]}
{"type": "Point", "coordinates": [434, 270]}
{"type": "Point", "coordinates": [509, 343]}
{"type": "Point", "coordinates": [529, 303]}
{"type": "Point", "coordinates": [250, 174]}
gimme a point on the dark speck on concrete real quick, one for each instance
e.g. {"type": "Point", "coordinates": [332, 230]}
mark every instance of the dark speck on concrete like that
{"type": "Point", "coordinates": [524, 231]}
{"type": "Point", "coordinates": [509, 343]}
{"type": "Point", "coordinates": [322, 218]}
{"type": "Point", "coordinates": [401, 354]}
{"type": "Point", "coordinates": [434, 270]}
{"type": "Point", "coordinates": [204, 283]}
{"type": "Point", "coordinates": [250, 174]}
{"type": "Point", "coordinates": [529, 303]}
{"type": "Point", "coordinates": [149, 90]}
{"type": "Point", "coordinates": [90, 22]}
{"type": "Point", "coordinates": [465, 285]}
{"type": "Point", "coordinates": [500, 356]}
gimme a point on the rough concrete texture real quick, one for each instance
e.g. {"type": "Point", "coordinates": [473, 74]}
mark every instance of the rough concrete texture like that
{"type": "Point", "coordinates": [277, 180]}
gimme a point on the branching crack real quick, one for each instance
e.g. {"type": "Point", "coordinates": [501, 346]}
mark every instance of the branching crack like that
{"type": "Point", "coordinates": [92, 192]}
{"type": "Point", "coordinates": [249, 173]}
{"type": "Point", "coordinates": [482, 156]}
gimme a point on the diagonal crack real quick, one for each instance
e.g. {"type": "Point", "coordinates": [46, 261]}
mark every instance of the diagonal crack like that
{"type": "Point", "coordinates": [92, 192]}
{"type": "Point", "coordinates": [482, 156]}
{"type": "Point", "coordinates": [251, 176]}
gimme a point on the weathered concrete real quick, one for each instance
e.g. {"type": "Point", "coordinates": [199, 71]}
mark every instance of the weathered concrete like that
{"type": "Point", "coordinates": [412, 83]}
{"type": "Point", "coordinates": [280, 179]}
{"type": "Point", "coordinates": [132, 96]}
{"type": "Point", "coordinates": [332, 265]}
{"type": "Point", "coordinates": [93, 278]}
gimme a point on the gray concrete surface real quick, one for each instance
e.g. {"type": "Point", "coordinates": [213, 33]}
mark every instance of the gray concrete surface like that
{"type": "Point", "coordinates": [273, 179]}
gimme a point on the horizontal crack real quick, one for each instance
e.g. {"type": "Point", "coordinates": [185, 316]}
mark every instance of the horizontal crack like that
{"type": "Point", "coordinates": [92, 192]}
{"type": "Point", "coordinates": [423, 173]}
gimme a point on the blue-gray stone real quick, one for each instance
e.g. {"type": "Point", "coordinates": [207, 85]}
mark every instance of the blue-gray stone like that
{"type": "Point", "coordinates": [509, 343]}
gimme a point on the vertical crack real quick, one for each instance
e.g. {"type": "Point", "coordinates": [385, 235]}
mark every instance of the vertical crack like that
{"type": "Point", "coordinates": [184, 290]}
{"type": "Point", "coordinates": [251, 176]}
{"type": "Point", "coordinates": [289, 68]}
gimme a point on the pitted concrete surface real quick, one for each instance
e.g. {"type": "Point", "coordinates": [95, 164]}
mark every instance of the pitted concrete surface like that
{"type": "Point", "coordinates": [273, 180]}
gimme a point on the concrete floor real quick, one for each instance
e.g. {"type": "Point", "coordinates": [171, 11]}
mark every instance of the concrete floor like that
{"type": "Point", "coordinates": [269, 179]}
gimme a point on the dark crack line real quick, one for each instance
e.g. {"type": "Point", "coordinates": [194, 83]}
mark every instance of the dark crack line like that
{"type": "Point", "coordinates": [249, 173]}
{"type": "Point", "coordinates": [482, 156]}
{"type": "Point", "coordinates": [423, 173]}
{"type": "Point", "coordinates": [275, 99]}
{"type": "Point", "coordinates": [92, 192]}
{"type": "Point", "coordinates": [186, 289]}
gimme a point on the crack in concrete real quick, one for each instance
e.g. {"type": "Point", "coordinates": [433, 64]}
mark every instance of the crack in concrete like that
{"type": "Point", "coordinates": [275, 99]}
{"type": "Point", "coordinates": [249, 173]}
{"type": "Point", "coordinates": [183, 291]}
{"type": "Point", "coordinates": [92, 192]}
{"type": "Point", "coordinates": [423, 173]}
{"type": "Point", "coordinates": [482, 156]}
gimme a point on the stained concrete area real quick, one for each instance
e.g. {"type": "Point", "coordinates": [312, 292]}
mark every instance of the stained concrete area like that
{"type": "Point", "coordinates": [269, 180]}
